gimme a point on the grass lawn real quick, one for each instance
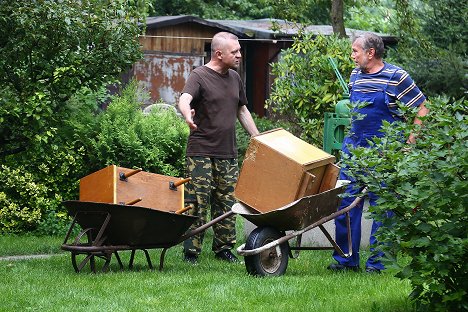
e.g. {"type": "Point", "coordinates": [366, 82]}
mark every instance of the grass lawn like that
{"type": "Point", "coordinates": [50, 284]}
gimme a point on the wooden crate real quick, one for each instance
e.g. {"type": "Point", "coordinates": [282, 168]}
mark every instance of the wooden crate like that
{"type": "Point", "coordinates": [106, 186]}
{"type": "Point", "coordinates": [279, 168]}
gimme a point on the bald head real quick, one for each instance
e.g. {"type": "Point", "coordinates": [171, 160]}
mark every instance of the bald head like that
{"type": "Point", "coordinates": [220, 39]}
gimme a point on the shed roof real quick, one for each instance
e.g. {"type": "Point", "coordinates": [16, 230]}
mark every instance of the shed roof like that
{"type": "Point", "coordinates": [163, 21]}
{"type": "Point", "coordinates": [256, 29]}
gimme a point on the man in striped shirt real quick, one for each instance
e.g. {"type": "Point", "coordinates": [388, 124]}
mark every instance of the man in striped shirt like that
{"type": "Point", "coordinates": [375, 86]}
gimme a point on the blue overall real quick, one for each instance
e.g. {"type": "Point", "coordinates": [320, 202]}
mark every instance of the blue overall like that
{"type": "Point", "coordinates": [375, 111]}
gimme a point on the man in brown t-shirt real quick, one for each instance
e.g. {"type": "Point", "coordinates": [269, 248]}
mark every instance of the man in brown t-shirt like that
{"type": "Point", "coordinates": [211, 101]}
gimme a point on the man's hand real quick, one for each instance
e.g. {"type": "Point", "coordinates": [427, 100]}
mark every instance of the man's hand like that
{"type": "Point", "coordinates": [186, 111]}
{"type": "Point", "coordinates": [422, 111]}
{"type": "Point", "coordinates": [189, 120]}
{"type": "Point", "coordinates": [411, 139]}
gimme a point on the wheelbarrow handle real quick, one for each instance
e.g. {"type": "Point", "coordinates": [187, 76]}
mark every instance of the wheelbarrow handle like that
{"type": "Point", "coordinates": [205, 226]}
{"type": "Point", "coordinates": [241, 249]}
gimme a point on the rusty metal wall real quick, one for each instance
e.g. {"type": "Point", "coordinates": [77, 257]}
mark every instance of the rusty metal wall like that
{"type": "Point", "coordinates": [164, 74]}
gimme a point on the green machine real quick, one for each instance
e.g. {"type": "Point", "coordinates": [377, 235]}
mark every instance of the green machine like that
{"type": "Point", "coordinates": [336, 123]}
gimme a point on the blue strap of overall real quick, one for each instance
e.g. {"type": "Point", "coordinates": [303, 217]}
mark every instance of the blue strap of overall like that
{"type": "Point", "coordinates": [375, 112]}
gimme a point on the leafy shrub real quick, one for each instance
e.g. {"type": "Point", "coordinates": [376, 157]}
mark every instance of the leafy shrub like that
{"type": "Point", "coordinates": [425, 185]}
{"type": "Point", "coordinates": [306, 86]}
{"type": "Point", "coordinates": [445, 74]}
{"type": "Point", "coordinates": [54, 162]}
{"type": "Point", "coordinates": [128, 138]}
{"type": "Point", "coordinates": [51, 50]}
{"type": "Point", "coordinates": [22, 201]}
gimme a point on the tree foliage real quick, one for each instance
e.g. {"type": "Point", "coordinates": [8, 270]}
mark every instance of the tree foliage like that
{"type": "Point", "coordinates": [56, 55]}
{"type": "Point", "coordinates": [303, 11]}
{"type": "Point", "coordinates": [306, 85]}
{"type": "Point", "coordinates": [212, 9]}
{"type": "Point", "coordinates": [433, 48]}
{"type": "Point", "coordinates": [374, 15]}
{"type": "Point", "coordinates": [52, 49]}
{"type": "Point", "coordinates": [426, 187]}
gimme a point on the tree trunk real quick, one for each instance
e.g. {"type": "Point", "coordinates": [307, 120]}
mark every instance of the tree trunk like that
{"type": "Point", "coordinates": [337, 11]}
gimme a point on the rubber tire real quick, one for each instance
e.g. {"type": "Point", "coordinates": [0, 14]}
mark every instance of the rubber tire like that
{"type": "Point", "coordinates": [268, 262]}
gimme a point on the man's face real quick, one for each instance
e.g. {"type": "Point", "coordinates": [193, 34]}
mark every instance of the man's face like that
{"type": "Point", "coordinates": [359, 55]}
{"type": "Point", "coordinates": [231, 54]}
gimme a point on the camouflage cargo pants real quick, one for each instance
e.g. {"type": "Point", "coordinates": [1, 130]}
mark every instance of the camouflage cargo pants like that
{"type": "Point", "coordinates": [212, 185]}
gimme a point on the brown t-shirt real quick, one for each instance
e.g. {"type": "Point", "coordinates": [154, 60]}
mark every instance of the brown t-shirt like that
{"type": "Point", "coordinates": [216, 99]}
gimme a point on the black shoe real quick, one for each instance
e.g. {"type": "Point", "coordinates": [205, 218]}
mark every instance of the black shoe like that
{"type": "Point", "coordinates": [372, 270]}
{"type": "Point", "coordinates": [191, 258]}
{"type": "Point", "coordinates": [226, 255]}
{"type": "Point", "coordinates": [340, 267]}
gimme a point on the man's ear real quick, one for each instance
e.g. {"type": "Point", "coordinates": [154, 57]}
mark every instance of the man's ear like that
{"type": "Point", "coordinates": [371, 52]}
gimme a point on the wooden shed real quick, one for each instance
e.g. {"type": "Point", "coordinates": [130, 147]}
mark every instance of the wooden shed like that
{"type": "Point", "coordinates": [174, 45]}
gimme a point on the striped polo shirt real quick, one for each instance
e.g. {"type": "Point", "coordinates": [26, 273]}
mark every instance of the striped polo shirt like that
{"type": "Point", "coordinates": [400, 86]}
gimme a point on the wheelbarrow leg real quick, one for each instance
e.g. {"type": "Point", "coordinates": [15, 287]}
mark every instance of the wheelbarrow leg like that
{"type": "Point", "coordinates": [148, 259]}
{"type": "Point", "coordinates": [118, 260]}
{"type": "Point", "coordinates": [161, 259]}
{"type": "Point", "coordinates": [333, 242]}
{"type": "Point", "coordinates": [108, 257]}
{"type": "Point", "coordinates": [296, 248]}
{"type": "Point", "coordinates": [132, 256]}
{"type": "Point", "coordinates": [92, 264]}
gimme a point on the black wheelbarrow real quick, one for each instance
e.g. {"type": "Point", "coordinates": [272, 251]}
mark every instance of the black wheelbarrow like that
{"type": "Point", "coordinates": [267, 249]}
{"type": "Point", "coordinates": [107, 229]}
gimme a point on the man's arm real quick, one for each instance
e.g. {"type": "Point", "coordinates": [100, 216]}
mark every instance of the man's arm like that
{"type": "Point", "coordinates": [246, 120]}
{"type": "Point", "coordinates": [186, 111]}
{"type": "Point", "coordinates": [422, 111]}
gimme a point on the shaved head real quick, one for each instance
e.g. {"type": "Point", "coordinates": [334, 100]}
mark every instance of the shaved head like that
{"type": "Point", "coordinates": [219, 40]}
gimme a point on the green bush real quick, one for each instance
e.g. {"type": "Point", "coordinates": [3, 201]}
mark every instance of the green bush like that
{"type": "Point", "coordinates": [22, 201]}
{"type": "Point", "coordinates": [306, 85]}
{"type": "Point", "coordinates": [50, 51]}
{"type": "Point", "coordinates": [128, 138]}
{"type": "Point", "coordinates": [89, 139]}
{"type": "Point", "coordinates": [425, 185]}
{"type": "Point", "coordinates": [54, 161]}
{"type": "Point", "coordinates": [442, 72]}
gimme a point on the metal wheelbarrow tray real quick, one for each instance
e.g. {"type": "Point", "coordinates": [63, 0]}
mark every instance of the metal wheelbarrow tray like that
{"type": "Point", "coordinates": [110, 228]}
{"type": "Point", "coordinates": [267, 248]}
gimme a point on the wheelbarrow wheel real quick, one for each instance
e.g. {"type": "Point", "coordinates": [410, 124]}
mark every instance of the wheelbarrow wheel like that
{"type": "Point", "coordinates": [271, 262]}
{"type": "Point", "coordinates": [97, 261]}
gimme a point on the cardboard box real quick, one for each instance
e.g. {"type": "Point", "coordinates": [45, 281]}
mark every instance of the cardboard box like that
{"type": "Point", "coordinates": [109, 185]}
{"type": "Point", "coordinates": [279, 168]}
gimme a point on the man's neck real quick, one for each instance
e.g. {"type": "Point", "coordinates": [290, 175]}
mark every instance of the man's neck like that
{"type": "Point", "coordinates": [375, 67]}
{"type": "Point", "coordinates": [216, 67]}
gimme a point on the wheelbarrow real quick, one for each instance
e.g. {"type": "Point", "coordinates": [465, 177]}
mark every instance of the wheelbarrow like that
{"type": "Point", "coordinates": [107, 229]}
{"type": "Point", "coordinates": [267, 249]}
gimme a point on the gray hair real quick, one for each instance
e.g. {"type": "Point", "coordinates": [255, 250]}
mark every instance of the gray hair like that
{"type": "Point", "coordinates": [217, 43]}
{"type": "Point", "coordinates": [371, 40]}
